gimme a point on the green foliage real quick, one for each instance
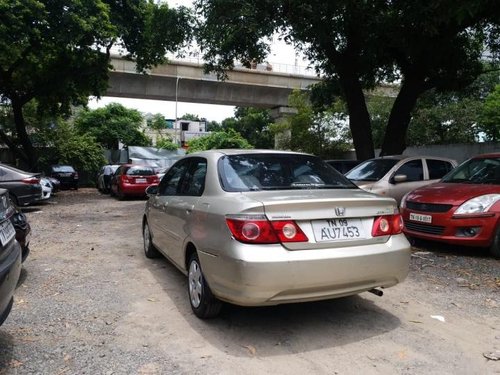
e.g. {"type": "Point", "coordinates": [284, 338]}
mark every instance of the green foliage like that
{"type": "Point", "coordinates": [57, 51]}
{"type": "Point", "coordinates": [490, 115]}
{"type": "Point", "coordinates": [253, 125]}
{"type": "Point", "coordinates": [166, 144]}
{"type": "Point", "coordinates": [357, 45]}
{"type": "Point", "coordinates": [80, 150]}
{"type": "Point", "coordinates": [112, 124]}
{"type": "Point", "coordinates": [218, 140]}
{"type": "Point", "coordinates": [157, 122]}
{"type": "Point", "coordinates": [324, 134]}
{"type": "Point", "coordinates": [190, 117]}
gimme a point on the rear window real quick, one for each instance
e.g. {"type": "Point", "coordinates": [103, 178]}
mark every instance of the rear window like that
{"type": "Point", "coordinates": [63, 168]}
{"type": "Point", "coordinates": [140, 171]}
{"type": "Point", "coordinates": [253, 172]}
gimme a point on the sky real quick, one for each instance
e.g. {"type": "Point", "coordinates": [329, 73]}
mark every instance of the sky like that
{"type": "Point", "coordinates": [280, 53]}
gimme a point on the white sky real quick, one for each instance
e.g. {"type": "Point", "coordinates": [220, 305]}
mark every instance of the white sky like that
{"type": "Point", "coordinates": [280, 53]}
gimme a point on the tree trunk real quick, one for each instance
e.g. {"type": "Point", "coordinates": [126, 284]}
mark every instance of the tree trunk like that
{"type": "Point", "coordinates": [30, 156]}
{"type": "Point", "coordinates": [359, 118]}
{"type": "Point", "coordinates": [395, 134]}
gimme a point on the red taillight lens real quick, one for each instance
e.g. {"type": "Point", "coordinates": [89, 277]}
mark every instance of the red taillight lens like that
{"type": "Point", "coordinates": [257, 229]}
{"type": "Point", "coordinates": [387, 225]}
{"type": "Point", "coordinates": [31, 180]}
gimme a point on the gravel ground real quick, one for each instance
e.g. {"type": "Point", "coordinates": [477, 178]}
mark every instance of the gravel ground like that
{"type": "Point", "coordinates": [89, 302]}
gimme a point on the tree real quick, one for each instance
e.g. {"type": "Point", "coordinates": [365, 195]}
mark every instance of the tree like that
{"type": "Point", "coordinates": [190, 117]}
{"type": "Point", "coordinates": [490, 116]}
{"type": "Point", "coordinates": [113, 124]}
{"type": "Point", "coordinates": [57, 51]}
{"type": "Point", "coordinates": [253, 125]}
{"type": "Point", "coordinates": [218, 140]}
{"type": "Point", "coordinates": [321, 134]}
{"type": "Point", "coordinates": [357, 45]}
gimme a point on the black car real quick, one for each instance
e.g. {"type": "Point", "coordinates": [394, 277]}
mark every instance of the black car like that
{"type": "Point", "coordinates": [66, 174]}
{"type": "Point", "coordinates": [24, 187]}
{"type": "Point", "coordinates": [10, 256]}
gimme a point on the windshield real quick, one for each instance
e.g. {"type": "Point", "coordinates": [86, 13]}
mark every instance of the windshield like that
{"type": "Point", "coordinates": [371, 170]}
{"type": "Point", "coordinates": [476, 171]}
{"type": "Point", "coordinates": [251, 172]}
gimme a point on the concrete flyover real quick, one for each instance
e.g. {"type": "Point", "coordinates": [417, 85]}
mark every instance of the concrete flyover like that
{"type": "Point", "coordinates": [186, 82]}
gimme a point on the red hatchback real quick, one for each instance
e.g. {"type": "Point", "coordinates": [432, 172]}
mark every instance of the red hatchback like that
{"type": "Point", "coordinates": [463, 208]}
{"type": "Point", "coordinates": [132, 180]}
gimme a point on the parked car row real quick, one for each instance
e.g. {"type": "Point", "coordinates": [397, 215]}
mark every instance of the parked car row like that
{"type": "Point", "coordinates": [439, 200]}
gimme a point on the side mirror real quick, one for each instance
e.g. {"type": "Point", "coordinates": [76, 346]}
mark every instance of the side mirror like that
{"type": "Point", "coordinates": [152, 189]}
{"type": "Point", "coordinates": [399, 178]}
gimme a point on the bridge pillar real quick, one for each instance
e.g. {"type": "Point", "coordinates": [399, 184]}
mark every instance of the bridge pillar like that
{"type": "Point", "coordinates": [280, 115]}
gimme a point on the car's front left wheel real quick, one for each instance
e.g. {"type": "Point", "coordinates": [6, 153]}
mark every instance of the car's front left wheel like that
{"type": "Point", "coordinates": [495, 246]}
{"type": "Point", "coordinates": [203, 303]}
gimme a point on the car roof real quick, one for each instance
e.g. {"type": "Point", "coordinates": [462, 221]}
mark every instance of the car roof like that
{"type": "Point", "coordinates": [238, 151]}
{"type": "Point", "coordinates": [401, 157]}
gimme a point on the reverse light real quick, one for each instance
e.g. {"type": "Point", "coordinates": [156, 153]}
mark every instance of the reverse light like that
{"type": "Point", "coordinates": [258, 229]}
{"type": "Point", "coordinates": [387, 225]}
{"type": "Point", "coordinates": [477, 205]}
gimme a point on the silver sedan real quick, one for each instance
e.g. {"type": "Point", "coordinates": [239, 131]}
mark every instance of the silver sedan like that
{"type": "Point", "coordinates": [263, 227]}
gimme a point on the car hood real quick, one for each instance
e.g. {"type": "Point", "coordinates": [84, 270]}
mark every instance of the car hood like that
{"type": "Point", "coordinates": [321, 203]}
{"type": "Point", "coordinates": [450, 193]}
{"type": "Point", "coordinates": [365, 185]}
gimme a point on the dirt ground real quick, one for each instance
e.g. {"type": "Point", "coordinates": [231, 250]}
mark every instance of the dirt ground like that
{"type": "Point", "coordinates": [89, 302]}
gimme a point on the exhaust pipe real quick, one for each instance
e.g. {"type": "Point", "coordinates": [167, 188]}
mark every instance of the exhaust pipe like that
{"type": "Point", "coordinates": [377, 292]}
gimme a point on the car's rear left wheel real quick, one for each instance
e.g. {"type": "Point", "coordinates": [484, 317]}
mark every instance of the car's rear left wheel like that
{"type": "Point", "coordinates": [495, 246]}
{"type": "Point", "coordinates": [149, 250]}
{"type": "Point", "coordinates": [203, 303]}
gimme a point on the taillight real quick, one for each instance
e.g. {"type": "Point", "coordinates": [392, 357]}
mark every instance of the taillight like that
{"type": "Point", "coordinates": [257, 229]}
{"type": "Point", "coordinates": [387, 225]}
{"type": "Point", "coordinates": [126, 179]}
{"type": "Point", "coordinates": [31, 180]}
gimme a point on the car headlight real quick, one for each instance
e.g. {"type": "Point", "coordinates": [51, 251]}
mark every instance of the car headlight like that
{"type": "Point", "coordinates": [478, 204]}
{"type": "Point", "coordinates": [402, 204]}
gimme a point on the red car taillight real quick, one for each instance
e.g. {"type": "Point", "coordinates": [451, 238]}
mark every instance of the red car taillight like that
{"type": "Point", "coordinates": [387, 225]}
{"type": "Point", "coordinates": [258, 230]}
{"type": "Point", "coordinates": [31, 180]}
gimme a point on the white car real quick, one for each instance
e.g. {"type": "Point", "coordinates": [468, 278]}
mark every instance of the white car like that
{"type": "Point", "coordinates": [46, 188]}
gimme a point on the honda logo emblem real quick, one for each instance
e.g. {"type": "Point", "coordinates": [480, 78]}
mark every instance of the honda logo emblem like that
{"type": "Point", "coordinates": [340, 211]}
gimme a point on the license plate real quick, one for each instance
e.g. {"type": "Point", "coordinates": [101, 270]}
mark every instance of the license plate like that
{"type": "Point", "coordinates": [141, 180]}
{"type": "Point", "coordinates": [7, 231]}
{"type": "Point", "coordinates": [421, 218]}
{"type": "Point", "coordinates": [338, 230]}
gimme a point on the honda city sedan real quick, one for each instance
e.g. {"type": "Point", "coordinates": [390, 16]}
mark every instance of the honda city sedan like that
{"type": "Point", "coordinates": [262, 227]}
{"type": "Point", "coordinates": [462, 209]}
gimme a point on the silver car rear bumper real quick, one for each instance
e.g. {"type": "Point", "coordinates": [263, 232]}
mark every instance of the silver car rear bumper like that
{"type": "Point", "coordinates": [256, 275]}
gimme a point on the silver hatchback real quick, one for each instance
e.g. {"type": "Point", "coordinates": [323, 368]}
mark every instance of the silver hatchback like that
{"type": "Point", "coordinates": [262, 227]}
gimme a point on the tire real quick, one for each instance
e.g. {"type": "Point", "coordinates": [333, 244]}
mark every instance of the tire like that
{"type": "Point", "coordinates": [119, 193]}
{"type": "Point", "coordinates": [149, 250]}
{"type": "Point", "coordinates": [495, 246]}
{"type": "Point", "coordinates": [202, 301]}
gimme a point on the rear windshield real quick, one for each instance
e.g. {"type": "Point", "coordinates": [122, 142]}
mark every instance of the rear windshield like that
{"type": "Point", "coordinates": [371, 170]}
{"type": "Point", "coordinates": [476, 171]}
{"type": "Point", "coordinates": [63, 168]}
{"type": "Point", "coordinates": [253, 172]}
{"type": "Point", "coordinates": [140, 171]}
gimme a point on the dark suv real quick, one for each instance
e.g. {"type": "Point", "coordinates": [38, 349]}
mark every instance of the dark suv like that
{"type": "Point", "coordinates": [66, 174]}
{"type": "Point", "coordinates": [10, 256]}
